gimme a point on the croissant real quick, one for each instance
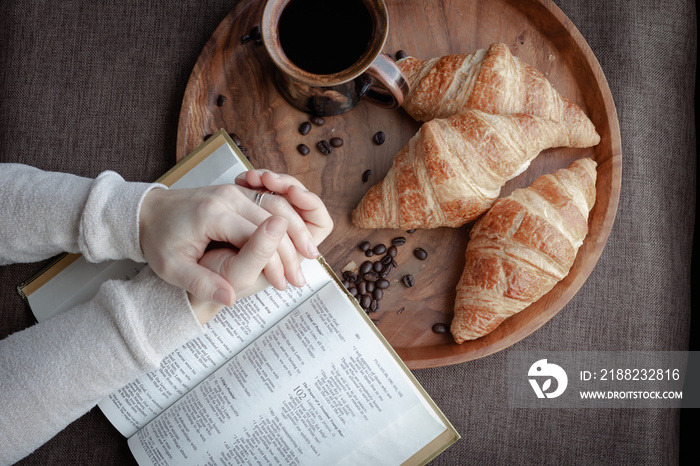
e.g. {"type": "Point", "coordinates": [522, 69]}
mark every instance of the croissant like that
{"type": "Point", "coordinates": [452, 170]}
{"type": "Point", "coordinates": [491, 80]}
{"type": "Point", "coordinates": [522, 247]}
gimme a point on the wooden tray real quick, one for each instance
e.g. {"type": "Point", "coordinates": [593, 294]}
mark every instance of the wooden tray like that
{"type": "Point", "coordinates": [536, 31]}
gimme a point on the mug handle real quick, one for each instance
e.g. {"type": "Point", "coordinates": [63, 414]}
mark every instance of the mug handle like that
{"type": "Point", "coordinates": [387, 86]}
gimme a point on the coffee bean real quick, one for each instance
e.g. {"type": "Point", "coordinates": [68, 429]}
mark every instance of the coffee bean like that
{"type": "Point", "coordinates": [377, 266]}
{"type": "Point", "coordinates": [235, 138]}
{"type": "Point", "coordinates": [398, 241]}
{"type": "Point", "coordinates": [382, 283]}
{"type": "Point", "coordinates": [362, 287]}
{"type": "Point", "coordinates": [369, 253]}
{"type": "Point", "coordinates": [207, 136]}
{"type": "Point", "coordinates": [221, 100]}
{"type": "Point", "coordinates": [375, 321]}
{"type": "Point", "coordinates": [401, 54]}
{"type": "Point", "coordinates": [317, 120]}
{"type": "Point", "coordinates": [378, 294]}
{"type": "Point", "coordinates": [245, 38]}
{"type": "Point", "coordinates": [243, 149]}
{"type": "Point", "coordinates": [324, 147]}
{"type": "Point", "coordinates": [411, 231]}
{"type": "Point", "coordinates": [336, 142]}
{"type": "Point", "coordinates": [255, 33]}
{"type": "Point", "coordinates": [365, 175]}
{"type": "Point", "coordinates": [386, 260]}
{"type": "Point", "coordinates": [370, 287]}
{"type": "Point", "coordinates": [374, 305]}
{"type": "Point", "coordinates": [371, 276]}
{"type": "Point", "coordinates": [392, 251]}
{"type": "Point", "coordinates": [379, 249]}
{"type": "Point", "coordinates": [393, 262]}
{"type": "Point", "coordinates": [350, 275]}
{"type": "Point", "coordinates": [346, 283]}
{"type": "Point", "coordinates": [365, 301]}
{"type": "Point", "coordinates": [379, 138]}
{"type": "Point", "coordinates": [365, 245]}
{"type": "Point", "coordinates": [420, 253]}
{"type": "Point", "coordinates": [440, 328]}
{"type": "Point", "coordinates": [304, 128]}
{"type": "Point", "coordinates": [365, 267]}
{"type": "Point", "coordinates": [303, 149]}
{"type": "Point", "coordinates": [408, 280]}
{"type": "Point", "coordinates": [353, 291]}
{"type": "Point", "coordinates": [386, 271]}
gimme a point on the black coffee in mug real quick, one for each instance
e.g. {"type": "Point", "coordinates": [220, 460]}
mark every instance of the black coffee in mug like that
{"type": "Point", "coordinates": [325, 36]}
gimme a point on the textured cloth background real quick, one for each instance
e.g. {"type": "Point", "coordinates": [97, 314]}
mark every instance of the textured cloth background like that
{"type": "Point", "coordinates": [89, 87]}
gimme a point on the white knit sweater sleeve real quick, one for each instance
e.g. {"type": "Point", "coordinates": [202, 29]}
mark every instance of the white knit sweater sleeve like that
{"type": "Point", "coordinates": [55, 371]}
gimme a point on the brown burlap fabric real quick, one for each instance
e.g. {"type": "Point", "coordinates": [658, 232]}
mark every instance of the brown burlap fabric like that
{"type": "Point", "coordinates": [86, 87]}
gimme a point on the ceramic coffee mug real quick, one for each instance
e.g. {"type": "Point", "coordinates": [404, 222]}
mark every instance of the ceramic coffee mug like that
{"type": "Point", "coordinates": [328, 54]}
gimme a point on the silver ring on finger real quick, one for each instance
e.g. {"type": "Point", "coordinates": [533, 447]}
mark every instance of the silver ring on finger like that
{"type": "Point", "coordinates": [259, 195]}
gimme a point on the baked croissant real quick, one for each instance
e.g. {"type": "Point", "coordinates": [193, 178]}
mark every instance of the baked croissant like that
{"type": "Point", "coordinates": [491, 80]}
{"type": "Point", "coordinates": [452, 170]}
{"type": "Point", "coordinates": [522, 247]}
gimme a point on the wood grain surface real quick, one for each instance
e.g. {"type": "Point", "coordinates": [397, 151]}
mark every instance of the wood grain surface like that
{"type": "Point", "coordinates": [536, 31]}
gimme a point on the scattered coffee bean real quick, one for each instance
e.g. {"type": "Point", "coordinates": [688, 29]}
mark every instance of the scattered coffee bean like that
{"type": "Point", "coordinates": [411, 231]}
{"type": "Point", "coordinates": [235, 138]}
{"type": "Point", "coordinates": [378, 293]}
{"type": "Point", "coordinates": [393, 262]}
{"type": "Point", "coordinates": [420, 253]}
{"type": "Point", "coordinates": [303, 149]}
{"type": "Point", "coordinates": [377, 266]}
{"type": "Point", "coordinates": [386, 260]}
{"type": "Point", "coordinates": [221, 100]}
{"type": "Point", "coordinates": [365, 301]}
{"type": "Point", "coordinates": [245, 38]}
{"type": "Point", "coordinates": [382, 283]}
{"type": "Point", "coordinates": [317, 120]}
{"type": "Point", "coordinates": [324, 147]}
{"type": "Point", "coordinates": [375, 321]}
{"type": "Point", "coordinates": [336, 142]}
{"type": "Point", "coordinates": [379, 249]}
{"type": "Point", "coordinates": [243, 149]}
{"type": "Point", "coordinates": [379, 138]}
{"type": "Point", "coordinates": [370, 287]}
{"type": "Point", "coordinates": [408, 280]}
{"type": "Point", "coordinates": [374, 305]}
{"type": "Point", "coordinates": [386, 271]}
{"type": "Point", "coordinates": [392, 251]}
{"type": "Point", "coordinates": [365, 175]}
{"type": "Point", "coordinates": [365, 245]}
{"type": "Point", "coordinates": [362, 288]}
{"type": "Point", "coordinates": [353, 291]}
{"type": "Point", "coordinates": [207, 136]}
{"type": "Point", "coordinates": [255, 33]}
{"type": "Point", "coordinates": [349, 275]}
{"type": "Point", "coordinates": [346, 283]}
{"type": "Point", "coordinates": [401, 54]}
{"type": "Point", "coordinates": [365, 267]}
{"type": "Point", "coordinates": [304, 128]}
{"type": "Point", "coordinates": [371, 276]}
{"type": "Point", "coordinates": [440, 328]}
{"type": "Point", "coordinates": [398, 241]}
{"type": "Point", "coordinates": [369, 253]}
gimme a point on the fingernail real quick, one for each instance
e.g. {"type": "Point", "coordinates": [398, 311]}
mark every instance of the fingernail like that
{"type": "Point", "coordinates": [276, 227]}
{"type": "Point", "coordinates": [313, 250]}
{"type": "Point", "coordinates": [301, 278]}
{"type": "Point", "coordinates": [222, 296]}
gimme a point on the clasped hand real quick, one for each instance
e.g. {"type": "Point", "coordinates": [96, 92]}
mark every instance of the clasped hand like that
{"type": "Point", "coordinates": [178, 226]}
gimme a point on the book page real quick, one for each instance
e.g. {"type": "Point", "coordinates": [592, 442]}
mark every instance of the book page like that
{"type": "Point", "coordinates": [234, 328]}
{"type": "Point", "coordinates": [317, 388]}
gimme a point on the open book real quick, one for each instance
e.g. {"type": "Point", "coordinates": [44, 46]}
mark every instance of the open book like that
{"type": "Point", "coordinates": [299, 377]}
